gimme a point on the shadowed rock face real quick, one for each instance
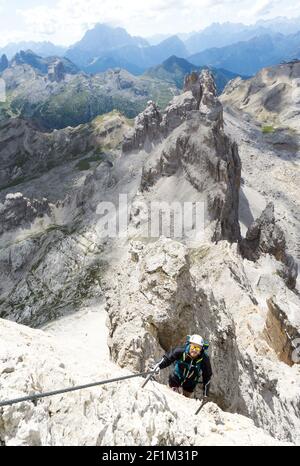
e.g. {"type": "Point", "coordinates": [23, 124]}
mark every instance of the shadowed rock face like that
{"type": "Point", "coordinates": [3, 63]}
{"type": "Point", "coordinates": [25, 151]}
{"type": "Point", "coordinates": [18, 211]}
{"type": "Point", "coordinates": [147, 129]}
{"type": "Point", "coordinates": [56, 71]}
{"type": "Point", "coordinates": [282, 328]}
{"type": "Point", "coordinates": [265, 236]}
{"type": "Point", "coordinates": [189, 138]}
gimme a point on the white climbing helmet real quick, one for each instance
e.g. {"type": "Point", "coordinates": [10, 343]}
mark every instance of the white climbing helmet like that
{"type": "Point", "coordinates": [197, 340]}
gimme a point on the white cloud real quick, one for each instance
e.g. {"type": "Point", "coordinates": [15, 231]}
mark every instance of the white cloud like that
{"type": "Point", "coordinates": [262, 7]}
{"type": "Point", "coordinates": [66, 21]}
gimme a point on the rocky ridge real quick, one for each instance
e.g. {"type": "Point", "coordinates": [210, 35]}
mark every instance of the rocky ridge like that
{"type": "Point", "coordinates": [271, 96]}
{"type": "Point", "coordinates": [192, 143]}
{"type": "Point", "coordinates": [55, 94]}
{"type": "Point", "coordinates": [21, 141]}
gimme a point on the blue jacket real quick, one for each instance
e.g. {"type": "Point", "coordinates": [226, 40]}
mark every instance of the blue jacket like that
{"type": "Point", "coordinates": [187, 368]}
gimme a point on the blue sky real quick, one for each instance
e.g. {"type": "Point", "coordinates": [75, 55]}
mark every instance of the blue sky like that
{"type": "Point", "coordinates": [65, 21]}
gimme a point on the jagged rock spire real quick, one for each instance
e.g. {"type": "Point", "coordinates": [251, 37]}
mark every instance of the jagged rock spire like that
{"type": "Point", "coordinates": [56, 71]}
{"type": "Point", "coordinates": [151, 125]}
{"type": "Point", "coordinates": [3, 63]}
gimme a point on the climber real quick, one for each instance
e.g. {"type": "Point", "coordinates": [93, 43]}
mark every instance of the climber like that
{"type": "Point", "coordinates": [190, 360]}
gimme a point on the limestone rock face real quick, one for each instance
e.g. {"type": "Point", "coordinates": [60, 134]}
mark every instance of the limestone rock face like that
{"type": "Point", "coordinates": [151, 126]}
{"type": "Point", "coordinates": [50, 261]}
{"type": "Point", "coordinates": [158, 289]}
{"type": "Point", "coordinates": [162, 314]}
{"type": "Point", "coordinates": [193, 83]}
{"type": "Point", "coordinates": [109, 415]}
{"type": "Point", "coordinates": [265, 236]}
{"type": "Point", "coordinates": [204, 90]}
{"type": "Point", "coordinates": [18, 211]}
{"type": "Point", "coordinates": [25, 151]}
{"type": "Point", "coordinates": [146, 131]}
{"type": "Point", "coordinates": [164, 291]}
{"type": "Point", "coordinates": [178, 111]}
{"type": "Point", "coordinates": [193, 146]}
{"type": "Point", "coordinates": [283, 328]}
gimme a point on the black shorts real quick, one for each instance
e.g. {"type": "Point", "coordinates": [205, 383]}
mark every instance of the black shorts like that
{"type": "Point", "coordinates": [188, 385]}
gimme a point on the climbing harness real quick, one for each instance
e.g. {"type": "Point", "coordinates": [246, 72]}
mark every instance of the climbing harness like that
{"type": "Point", "coordinates": [71, 389]}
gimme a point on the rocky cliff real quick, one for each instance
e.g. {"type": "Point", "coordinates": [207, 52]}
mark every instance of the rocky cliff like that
{"type": "Point", "coordinates": [261, 116]}
{"type": "Point", "coordinates": [238, 290]}
{"type": "Point", "coordinates": [188, 142]}
{"type": "Point", "coordinates": [26, 152]}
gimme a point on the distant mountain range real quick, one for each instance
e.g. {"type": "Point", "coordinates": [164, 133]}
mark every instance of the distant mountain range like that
{"type": "Point", "coordinates": [55, 94]}
{"type": "Point", "coordinates": [236, 47]}
{"type": "Point", "coordinates": [221, 35]}
{"type": "Point", "coordinates": [119, 48]}
{"type": "Point", "coordinates": [248, 57]}
{"type": "Point", "coordinates": [42, 64]}
{"type": "Point", "coordinates": [43, 49]}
